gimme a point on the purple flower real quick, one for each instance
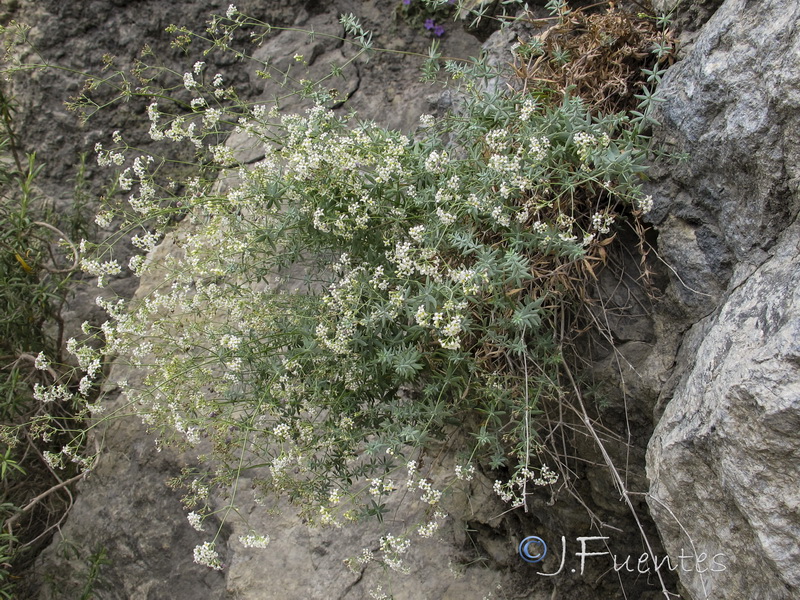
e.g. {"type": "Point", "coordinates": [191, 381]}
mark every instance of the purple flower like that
{"type": "Point", "coordinates": [406, 1]}
{"type": "Point", "coordinates": [430, 24]}
{"type": "Point", "coordinates": [438, 31]}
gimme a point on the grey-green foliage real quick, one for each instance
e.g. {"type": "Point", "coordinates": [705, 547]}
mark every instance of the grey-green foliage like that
{"type": "Point", "coordinates": [357, 296]}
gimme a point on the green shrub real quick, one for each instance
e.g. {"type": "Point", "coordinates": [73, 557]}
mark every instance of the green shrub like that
{"type": "Point", "coordinates": [331, 312]}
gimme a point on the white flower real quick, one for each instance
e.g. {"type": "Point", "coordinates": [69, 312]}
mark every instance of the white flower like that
{"type": "Point", "coordinates": [428, 529]}
{"type": "Point", "coordinates": [375, 487]}
{"type": "Point", "coordinates": [188, 81]}
{"type": "Point", "coordinates": [585, 142]}
{"type": "Point", "coordinates": [539, 146]}
{"type": "Point", "coordinates": [416, 233]}
{"type": "Point", "coordinates": [125, 181]}
{"type": "Point", "coordinates": [430, 494]}
{"type": "Point", "coordinates": [378, 594]}
{"type": "Point", "coordinates": [500, 216]}
{"type": "Point", "coordinates": [52, 459]}
{"type": "Point", "coordinates": [254, 541]}
{"type": "Point", "coordinates": [422, 316]}
{"type": "Point", "coordinates": [527, 109]}
{"type": "Point", "coordinates": [103, 219]}
{"type": "Point", "coordinates": [453, 328]}
{"type": "Point", "coordinates": [41, 362]}
{"type": "Point", "coordinates": [84, 385]}
{"type": "Point", "coordinates": [426, 121]}
{"type": "Point", "coordinates": [231, 342]}
{"type": "Point", "coordinates": [211, 117]}
{"type": "Point", "coordinates": [204, 554]}
{"type": "Point", "coordinates": [435, 162]}
{"type": "Point", "coordinates": [195, 520]}
{"type": "Point", "coordinates": [231, 12]}
{"type": "Point", "coordinates": [445, 217]}
{"type": "Point", "coordinates": [281, 431]}
{"type": "Point", "coordinates": [465, 474]}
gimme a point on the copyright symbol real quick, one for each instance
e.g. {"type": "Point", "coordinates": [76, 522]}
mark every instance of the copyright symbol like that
{"type": "Point", "coordinates": [532, 549]}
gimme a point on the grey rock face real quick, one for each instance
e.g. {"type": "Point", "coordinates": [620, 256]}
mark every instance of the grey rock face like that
{"type": "Point", "coordinates": [725, 458]}
{"type": "Point", "coordinates": [732, 106]}
{"type": "Point", "coordinates": [723, 461]}
{"type": "Point", "coordinates": [688, 14]}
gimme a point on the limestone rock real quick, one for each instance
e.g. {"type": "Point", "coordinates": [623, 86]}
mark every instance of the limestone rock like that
{"type": "Point", "coordinates": [723, 459]}
{"type": "Point", "coordinates": [732, 106]}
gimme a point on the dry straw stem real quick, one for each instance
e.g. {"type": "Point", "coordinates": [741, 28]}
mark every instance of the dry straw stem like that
{"type": "Point", "coordinates": [606, 52]}
{"type": "Point", "coordinates": [617, 478]}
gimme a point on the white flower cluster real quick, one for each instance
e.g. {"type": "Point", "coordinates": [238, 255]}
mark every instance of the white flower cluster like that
{"type": "Point", "coordinates": [206, 555]}
{"type": "Point", "coordinates": [252, 540]}
{"type": "Point", "coordinates": [409, 260]}
{"type": "Point", "coordinates": [146, 242]}
{"type": "Point", "coordinates": [428, 529]}
{"type": "Point", "coordinates": [411, 468]}
{"type": "Point", "coordinates": [365, 557]}
{"type": "Point", "coordinates": [465, 473]}
{"type": "Point", "coordinates": [100, 270]}
{"type": "Point", "coordinates": [500, 216]}
{"type": "Point", "coordinates": [103, 218]}
{"type": "Point", "coordinates": [378, 594]}
{"type": "Point", "coordinates": [426, 121]}
{"type": "Point", "coordinates": [587, 142]}
{"type": "Point", "coordinates": [211, 117]}
{"type": "Point", "coordinates": [447, 323]}
{"type": "Point", "coordinates": [527, 109]}
{"type": "Point", "coordinates": [446, 218]}
{"type": "Point", "coordinates": [54, 460]}
{"type": "Point", "coordinates": [154, 116]}
{"type": "Point", "coordinates": [430, 495]}
{"type": "Point", "coordinates": [379, 487]}
{"type": "Point", "coordinates": [502, 163]}
{"type": "Point", "coordinates": [393, 549]}
{"type": "Point", "coordinates": [468, 279]}
{"type": "Point", "coordinates": [195, 520]}
{"type": "Point", "coordinates": [538, 148]}
{"type": "Point", "coordinates": [107, 158]}
{"type": "Point", "coordinates": [436, 162]}
{"type": "Point", "coordinates": [281, 431]}
{"type": "Point", "coordinates": [513, 491]}
{"type": "Point", "coordinates": [602, 222]}
{"type": "Point", "coordinates": [326, 518]}
{"type": "Point", "coordinates": [41, 362]}
{"type": "Point", "coordinates": [189, 82]}
{"type": "Point", "coordinates": [53, 393]}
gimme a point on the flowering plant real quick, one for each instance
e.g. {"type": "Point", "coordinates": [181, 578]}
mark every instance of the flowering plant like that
{"type": "Point", "coordinates": [428, 13]}
{"type": "Point", "coordinates": [332, 310]}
